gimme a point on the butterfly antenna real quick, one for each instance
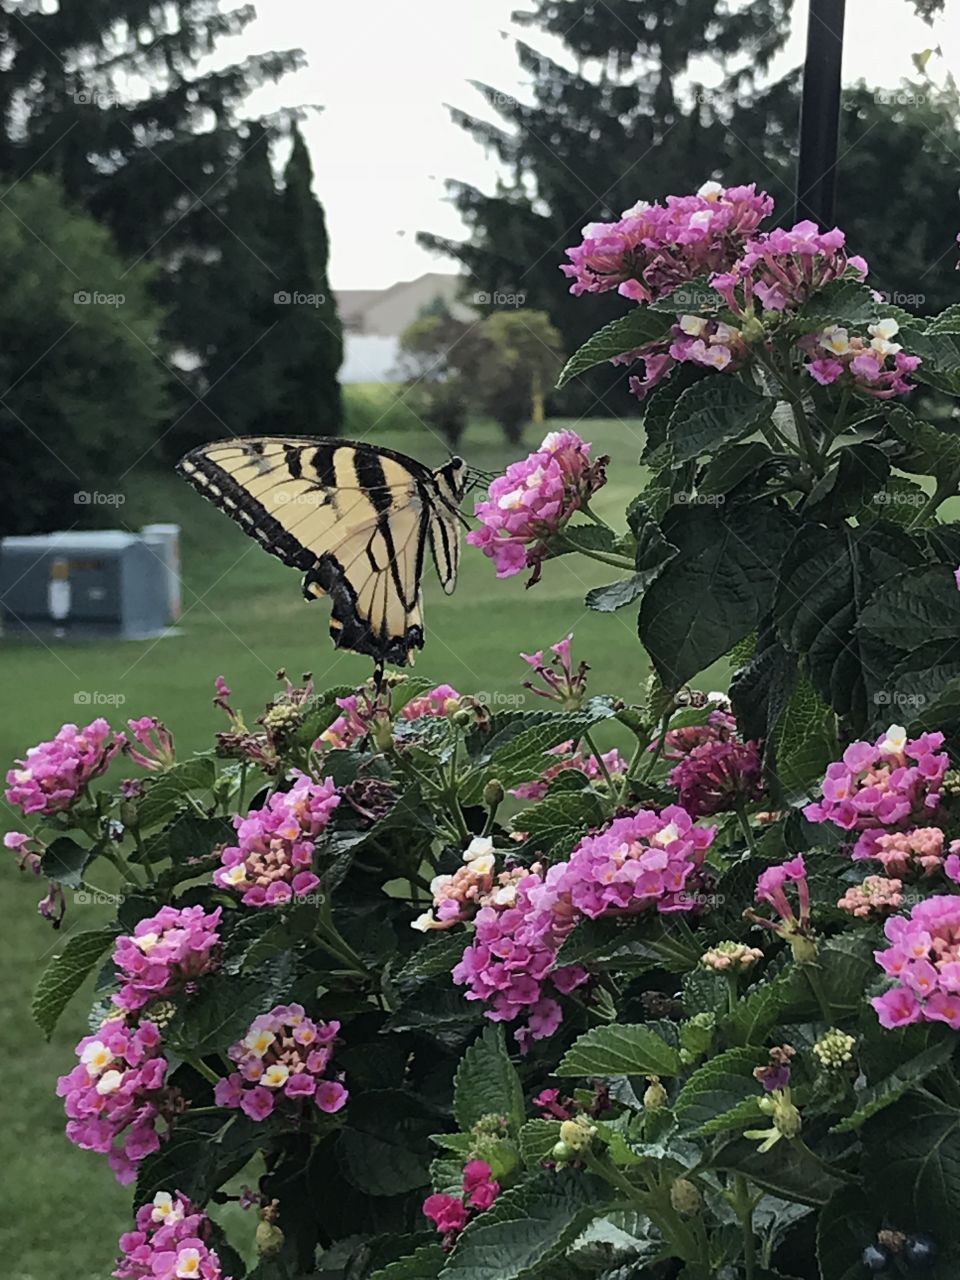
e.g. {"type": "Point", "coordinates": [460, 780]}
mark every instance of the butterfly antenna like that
{"type": "Point", "coordinates": [477, 478]}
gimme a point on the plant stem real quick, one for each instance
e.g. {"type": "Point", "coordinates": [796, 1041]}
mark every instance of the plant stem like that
{"type": "Point", "coordinates": [634, 764]}
{"type": "Point", "coordinates": [743, 1207]}
{"type": "Point", "coordinates": [946, 488]}
{"type": "Point", "coordinates": [813, 978]}
{"type": "Point", "coordinates": [745, 827]}
{"type": "Point", "coordinates": [619, 562]}
{"type": "Point", "coordinates": [208, 1074]}
{"type": "Point", "coordinates": [601, 763]}
{"type": "Point", "coordinates": [658, 748]}
{"type": "Point", "coordinates": [453, 797]}
{"type": "Point", "coordinates": [589, 512]}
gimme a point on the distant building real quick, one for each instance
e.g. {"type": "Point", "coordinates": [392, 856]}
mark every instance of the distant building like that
{"type": "Point", "coordinates": [373, 320]}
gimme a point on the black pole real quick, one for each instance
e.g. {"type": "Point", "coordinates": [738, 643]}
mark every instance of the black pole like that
{"type": "Point", "coordinates": [820, 113]}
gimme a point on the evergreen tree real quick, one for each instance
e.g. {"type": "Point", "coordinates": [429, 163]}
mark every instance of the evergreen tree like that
{"type": "Point", "coordinates": [85, 394]}
{"type": "Point", "coordinates": [308, 339]}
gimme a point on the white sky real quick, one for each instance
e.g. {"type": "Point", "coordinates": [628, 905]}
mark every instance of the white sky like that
{"type": "Point", "coordinates": [384, 70]}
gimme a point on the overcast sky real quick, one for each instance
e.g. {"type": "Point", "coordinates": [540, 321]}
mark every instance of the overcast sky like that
{"type": "Point", "coordinates": [384, 70]}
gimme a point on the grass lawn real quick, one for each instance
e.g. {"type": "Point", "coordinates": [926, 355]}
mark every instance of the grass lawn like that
{"type": "Point", "coordinates": [243, 616]}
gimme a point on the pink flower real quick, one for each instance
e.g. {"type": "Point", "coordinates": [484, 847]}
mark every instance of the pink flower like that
{"type": "Point", "coordinates": [771, 888]}
{"type": "Point", "coordinates": [717, 776]}
{"type": "Point", "coordinates": [528, 505]}
{"type": "Point", "coordinates": [165, 954]}
{"type": "Point", "coordinates": [116, 1095]}
{"type": "Point", "coordinates": [437, 702]}
{"type": "Point", "coordinates": [561, 683]}
{"type": "Point", "coordinates": [654, 247]}
{"type": "Point", "coordinates": [888, 783]}
{"type": "Point", "coordinates": [646, 860]}
{"type": "Point", "coordinates": [918, 851]}
{"type": "Point", "coordinates": [53, 773]}
{"type": "Point", "coordinates": [284, 1054]}
{"type": "Point", "coordinates": [825, 370]}
{"type": "Point", "coordinates": [155, 741]}
{"type": "Point", "coordinates": [448, 1212]}
{"type": "Point", "coordinates": [171, 1240]}
{"type": "Point", "coordinates": [924, 961]}
{"type": "Point", "coordinates": [479, 1186]}
{"type": "Point", "coordinates": [273, 858]}
{"type": "Point", "coordinates": [875, 896]}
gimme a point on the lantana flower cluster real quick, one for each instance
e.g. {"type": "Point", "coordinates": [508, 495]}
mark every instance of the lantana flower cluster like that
{"type": "Point", "coordinates": [115, 1097]}
{"type": "Point", "coordinates": [29, 851]}
{"type": "Point", "coordinates": [456, 897]}
{"type": "Point", "coordinates": [874, 896]}
{"type": "Point", "coordinates": [451, 1213]}
{"type": "Point", "coordinates": [284, 1054]}
{"type": "Point", "coordinates": [509, 963]}
{"type": "Point", "coordinates": [52, 774]}
{"type": "Point", "coordinates": [654, 247]}
{"type": "Point", "coordinates": [888, 784]}
{"type": "Point", "coordinates": [154, 747]}
{"type": "Point", "coordinates": [875, 363]}
{"type": "Point", "coordinates": [715, 772]}
{"type": "Point", "coordinates": [924, 961]}
{"type": "Point", "coordinates": [166, 954]}
{"type": "Point", "coordinates": [531, 502]}
{"type": "Point", "coordinates": [171, 1242]}
{"type": "Point", "coordinates": [273, 858]}
{"type": "Point", "coordinates": [645, 860]}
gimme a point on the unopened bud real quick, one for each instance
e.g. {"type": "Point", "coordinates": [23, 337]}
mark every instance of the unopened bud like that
{"type": "Point", "coordinates": [685, 1198]}
{"type": "Point", "coordinates": [561, 1152]}
{"type": "Point", "coordinates": [577, 1134]}
{"type": "Point", "coordinates": [655, 1096]}
{"type": "Point", "coordinates": [462, 718]}
{"type": "Point", "coordinates": [493, 793]}
{"type": "Point", "coordinates": [269, 1238]}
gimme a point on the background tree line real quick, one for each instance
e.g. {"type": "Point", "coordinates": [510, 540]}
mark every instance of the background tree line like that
{"type": "Point", "coordinates": [150, 250]}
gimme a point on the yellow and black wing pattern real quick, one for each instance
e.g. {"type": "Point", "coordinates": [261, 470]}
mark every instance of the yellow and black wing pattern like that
{"type": "Point", "coordinates": [354, 517]}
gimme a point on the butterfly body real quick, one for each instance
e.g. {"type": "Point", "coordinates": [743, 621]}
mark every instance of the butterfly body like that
{"type": "Point", "coordinates": [355, 518]}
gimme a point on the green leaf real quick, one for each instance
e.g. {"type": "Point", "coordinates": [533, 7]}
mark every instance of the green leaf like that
{"type": "Point", "coordinates": [583, 537]}
{"type": "Point", "coordinates": [925, 450]}
{"type": "Point", "coordinates": [619, 1050]}
{"type": "Point", "coordinates": [827, 578]}
{"type": "Point", "coordinates": [527, 1227]}
{"type": "Point", "coordinates": [804, 741]}
{"type": "Point", "coordinates": [876, 1097]}
{"type": "Point", "coordinates": [188, 837]}
{"type": "Point", "coordinates": [732, 466]}
{"type": "Point", "coordinates": [537, 1140]}
{"type": "Point", "coordinates": [858, 472]}
{"type": "Point", "coordinates": [713, 413]}
{"type": "Point", "coordinates": [556, 823]}
{"type": "Point", "coordinates": [848, 302]}
{"type": "Point", "coordinates": [487, 1083]}
{"type": "Point", "coordinates": [385, 1146]}
{"type": "Point", "coordinates": [424, 1263]}
{"type": "Point", "coordinates": [64, 975]}
{"type": "Point", "coordinates": [658, 409]}
{"type": "Point", "coordinates": [916, 1144]}
{"type": "Point", "coordinates": [787, 1169]}
{"type": "Point", "coordinates": [718, 588]}
{"type": "Point", "coordinates": [844, 1229]}
{"type": "Point", "coordinates": [722, 1094]}
{"type": "Point", "coordinates": [434, 958]}
{"type": "Point", "coordinates": [169, 789]}
{"type": "Point", "coordinates": [947, 321]}
{"type": "Point", "coordinates": [65, 861]}
{"type": "Point", "coordinates": [221, 1010]}
{"type": "Point", "coordinates": [635, 329]}
{"type": "Point", "coordinates": [632, 946]}
{"type": "Point", "coordinates": [914, 608]}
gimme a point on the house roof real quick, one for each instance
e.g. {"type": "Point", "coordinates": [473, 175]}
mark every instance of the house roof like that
{"type": "Point", "coordinates": [387, 312]}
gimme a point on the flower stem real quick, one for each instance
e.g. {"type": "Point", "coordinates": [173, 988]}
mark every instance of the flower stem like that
{"type": "Point", "coordinates": [208, 1073]}
{"type": "Point", "coordinates": [946, 488]}
{"type": "Point", "coordinates": [745, 827]}
{"type": "Point", "coordinates": [619, 562]}
{"type": "Point", "coordinates": [743, 1207]}
{"type": "Point", "coordinates": [601, 763]}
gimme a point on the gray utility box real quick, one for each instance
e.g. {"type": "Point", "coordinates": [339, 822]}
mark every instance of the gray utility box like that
{"type": "Point", "coordinates": [84, 585]}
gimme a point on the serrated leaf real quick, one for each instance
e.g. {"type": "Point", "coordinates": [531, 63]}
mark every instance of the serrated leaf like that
{"type": "Point", "coordinates": [635, 329]}
{"type": "Point", "coordinates": [732, 466]}
{"type": "Point", "coordinates": [557, 822]}
{"type": "Point", "coordinates": [788, 1169]}
{"type": "Point", "coordinates": [619, 1050]}
{"type": "Point", "coordinates": [914, 608]}
{"type": "Point", "coordinates": [632, 946]}
{"type": "Point", "coordinates": [718, 588]}
{"type": "Point", "coordinates": [537, 1140]}
{"type": "Point", "coordinates": [424, 1263]}
{"type": "Point", "coordinates": [848, 302]}
{"type": "Point", "coordinates": [916, 1143]}
{"type": "Point", "coordinates": [168, 789]}
{"type": "Point", "coordinates": [713, 413]}
{"type": "Point", "coordinates": [435, 957]}
{"type": "Point", "coordinates": [876, 1097]}
{"type": "Point", "coordinates": [65, 973]}
{"type": "Point", "coordinates": [527, 1227]}
{"type": "Point", "coordinates": [844, 1229]}
{"type": "Point", "coordinates": [487, 1083]}
{"type": "Point", "coordinates": [722, 1094]}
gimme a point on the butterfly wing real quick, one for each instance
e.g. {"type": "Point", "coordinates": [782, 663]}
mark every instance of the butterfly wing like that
{"type": "Point", "coordinates": [353, 517]}
{"type": "Point", "coordinates": [450, 482]}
